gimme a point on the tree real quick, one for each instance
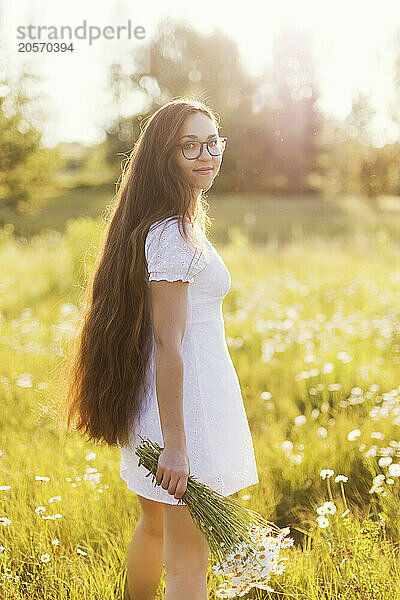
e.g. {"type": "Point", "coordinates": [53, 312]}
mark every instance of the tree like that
{"type": "Point", "coordinates": [183, 62]}
{"type": "Point", "coordinates": [26, 168]}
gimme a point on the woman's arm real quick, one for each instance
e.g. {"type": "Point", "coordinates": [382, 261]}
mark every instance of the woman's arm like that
{"type": "Point", "coordinates": [169, 305]}
{"type": "Point", "coordinates": [169, 300]}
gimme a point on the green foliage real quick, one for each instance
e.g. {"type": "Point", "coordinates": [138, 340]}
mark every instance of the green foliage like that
{"type": "Point", "coordinates": [83, 167]}
{"type": "Point", "coordinates": [26, 167]}
{"type": "Point", "coordinates": [82, 241]}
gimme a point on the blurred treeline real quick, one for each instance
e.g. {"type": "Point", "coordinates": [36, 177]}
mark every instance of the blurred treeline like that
{"type": "Point", "coordinates": [279, 141]}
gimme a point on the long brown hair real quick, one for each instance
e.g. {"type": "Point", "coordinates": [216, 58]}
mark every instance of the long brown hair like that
{"type": "Point", "coordinates": [105, 366]}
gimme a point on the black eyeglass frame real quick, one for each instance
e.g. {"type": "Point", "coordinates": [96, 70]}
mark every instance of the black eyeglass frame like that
{"type": "Point", "coordinates": [224, 139]}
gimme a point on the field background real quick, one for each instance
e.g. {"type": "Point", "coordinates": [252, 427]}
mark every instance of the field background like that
{"type": "Point", "coordinates": [306, 216]}
{"type": "Point", "coordinates": [312, 323]}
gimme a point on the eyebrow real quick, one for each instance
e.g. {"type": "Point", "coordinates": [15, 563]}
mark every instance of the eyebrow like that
{"type": "Point", "coordinates": [195, 136]}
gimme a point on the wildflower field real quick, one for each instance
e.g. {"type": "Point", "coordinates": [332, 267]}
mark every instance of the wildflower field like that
{"type": "Point", "coordinates": [313, 326]}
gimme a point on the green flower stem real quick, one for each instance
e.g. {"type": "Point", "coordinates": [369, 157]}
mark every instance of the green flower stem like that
{"type": "Point", "coordinates": [330, 491]}
{"type": "Point", "coordinates": [343, 494]}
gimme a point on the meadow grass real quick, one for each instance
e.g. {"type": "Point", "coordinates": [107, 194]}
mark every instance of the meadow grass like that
{"type": "Point", "coordinates": [312, 323]}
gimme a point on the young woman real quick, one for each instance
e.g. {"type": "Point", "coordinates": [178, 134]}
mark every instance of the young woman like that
{"type": "Point", "coordinates": [151, 356]}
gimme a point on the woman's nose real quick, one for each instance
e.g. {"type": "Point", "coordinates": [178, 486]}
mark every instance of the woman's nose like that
{"type": "Point", "coordinates": [205, 150]}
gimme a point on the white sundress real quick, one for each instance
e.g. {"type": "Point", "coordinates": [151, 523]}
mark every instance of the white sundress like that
{"type": "Point", "coordinates": [218, 438]}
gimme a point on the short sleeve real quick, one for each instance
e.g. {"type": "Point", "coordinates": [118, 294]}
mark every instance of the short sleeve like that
{"type": "Point", "coordinates": [169, 255]}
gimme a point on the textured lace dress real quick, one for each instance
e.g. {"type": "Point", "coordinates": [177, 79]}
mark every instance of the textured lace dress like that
{"type": "Point", "coordinates": [218, 438]}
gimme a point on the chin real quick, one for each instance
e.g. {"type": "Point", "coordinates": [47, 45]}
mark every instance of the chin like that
{"type": "Point", "coordinates": [203, 181]}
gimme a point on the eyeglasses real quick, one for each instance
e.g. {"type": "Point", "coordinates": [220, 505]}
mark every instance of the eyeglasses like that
{"type": "Point", "coordinates": [192, 150]}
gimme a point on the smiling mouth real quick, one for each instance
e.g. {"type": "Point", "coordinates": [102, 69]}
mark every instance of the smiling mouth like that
{"type": "Point", "coordinates": [207, 170]}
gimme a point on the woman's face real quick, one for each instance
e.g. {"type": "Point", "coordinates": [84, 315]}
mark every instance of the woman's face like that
{"type": "Point", "coordinates": [199, 127]}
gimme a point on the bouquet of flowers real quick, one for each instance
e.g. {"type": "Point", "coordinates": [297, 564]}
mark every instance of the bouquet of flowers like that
{"type": "Point", "coordinates": [245, 548]}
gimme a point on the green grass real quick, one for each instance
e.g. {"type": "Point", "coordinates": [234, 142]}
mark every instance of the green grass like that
{"type": "Point", "coordinates": [67, 204]}
{"type": "Point", "coordinates": [280, 218]}
{"type": "Point", "coordinates": [312, 322]}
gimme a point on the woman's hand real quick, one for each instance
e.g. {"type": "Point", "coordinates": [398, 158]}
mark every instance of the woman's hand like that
{"type": "Point", "coordinates": [173, 470]}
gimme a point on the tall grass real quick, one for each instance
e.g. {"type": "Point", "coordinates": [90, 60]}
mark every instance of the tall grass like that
{"type": "Point", "coordinates": [312, 323]}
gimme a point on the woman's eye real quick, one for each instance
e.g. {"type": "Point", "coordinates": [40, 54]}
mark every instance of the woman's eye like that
{"type": "Point", "coordinates": [212, 143]}
{"type": "Point", "coordinates": [188, 146]}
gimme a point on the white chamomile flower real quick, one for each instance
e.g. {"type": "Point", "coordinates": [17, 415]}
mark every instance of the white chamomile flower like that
{"type": "Point", "coordinates": [326, 473]}
{"type": "Point", "coordinates": [322, 522]}
{"type": "Point", "coordinates": [45, 557]}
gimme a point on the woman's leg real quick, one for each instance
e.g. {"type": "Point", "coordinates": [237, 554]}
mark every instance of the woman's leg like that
{"type": "Point", "coordinates": [186, 553]}
{"type": "Point", "coordinates": [145, 553]}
